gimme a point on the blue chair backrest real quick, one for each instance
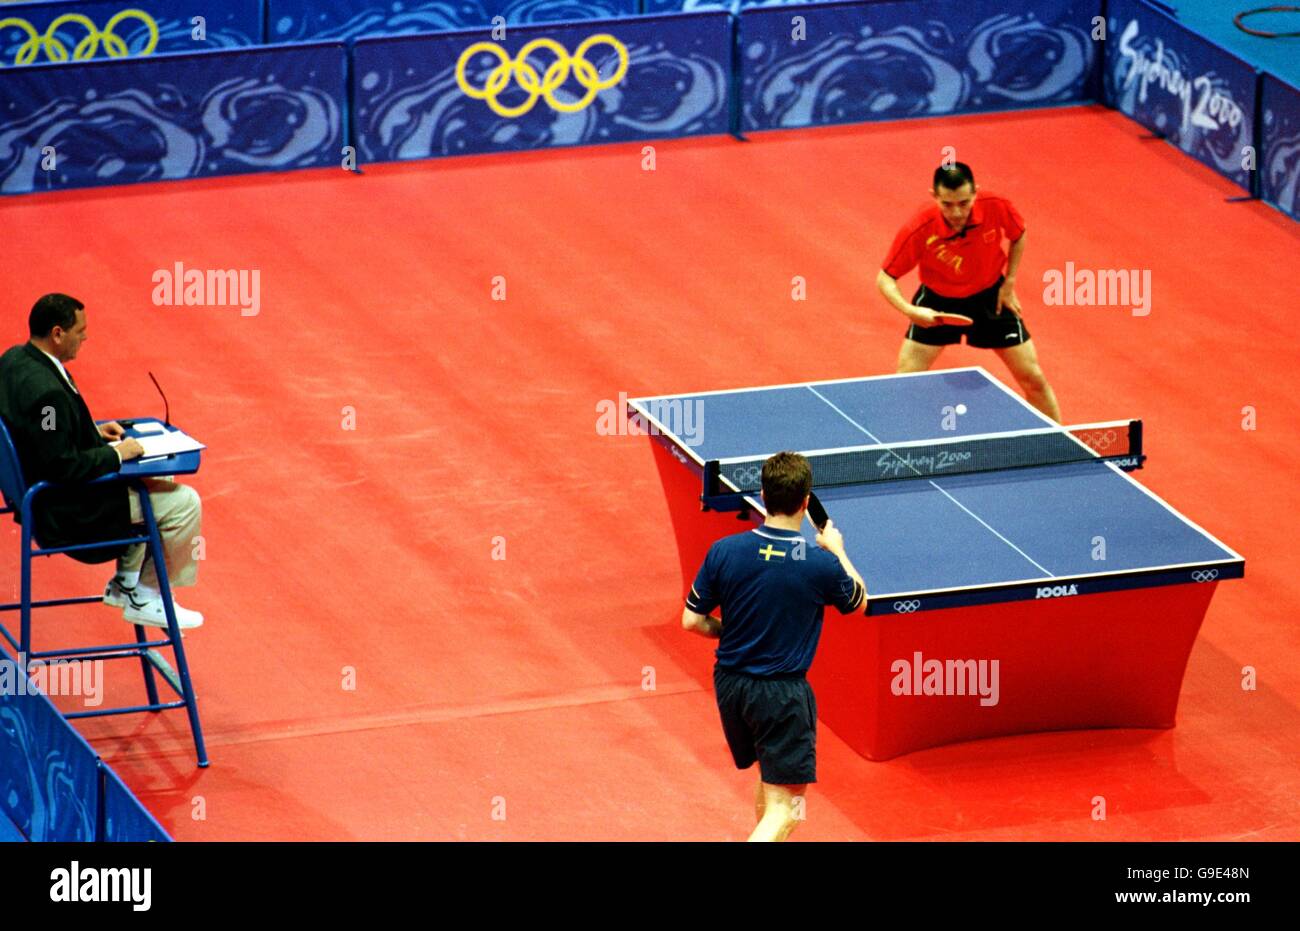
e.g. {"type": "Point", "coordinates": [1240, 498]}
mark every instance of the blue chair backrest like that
{"type": "Point", "coordinates": [11, 471]}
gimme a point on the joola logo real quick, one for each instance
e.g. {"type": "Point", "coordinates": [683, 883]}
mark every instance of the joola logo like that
{"type": "Point", "coordinates": [1056, 591]}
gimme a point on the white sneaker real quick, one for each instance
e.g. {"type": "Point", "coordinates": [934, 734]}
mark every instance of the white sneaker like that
{"type": "Point", "coordinates": [115, 594]}
{"type": "Point", "coordinates": [151, 612]}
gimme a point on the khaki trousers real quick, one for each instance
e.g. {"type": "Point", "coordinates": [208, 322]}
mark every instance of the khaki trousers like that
{"type": "Point", "coordinates": [179, 513]}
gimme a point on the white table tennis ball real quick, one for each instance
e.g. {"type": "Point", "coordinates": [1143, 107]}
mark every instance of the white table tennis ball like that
{"type": "Point", "coordinates": [961, 408]}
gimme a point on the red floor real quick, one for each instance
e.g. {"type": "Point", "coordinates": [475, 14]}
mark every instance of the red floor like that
{"type": "Point", "coordinates": [489, 687]}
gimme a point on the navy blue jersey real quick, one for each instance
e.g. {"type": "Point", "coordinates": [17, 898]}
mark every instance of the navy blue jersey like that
{"type": "Point", "coordinates": [772, 586]}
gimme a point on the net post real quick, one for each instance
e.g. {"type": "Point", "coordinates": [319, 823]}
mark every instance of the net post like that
{"type": "Point", "coordinates": [712, 470]}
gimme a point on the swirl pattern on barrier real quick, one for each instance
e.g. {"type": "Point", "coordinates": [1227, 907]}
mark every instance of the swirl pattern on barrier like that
{"type": "Point", "coordinates": [236, 117]}
{"type": "Point", "coordinates": [38, 783]}
{"type": "Point", "coordinates": [1281, 171]}
{"type": "Point", "coordinates": [314, 22]}
{"type": "Point", "coordinates": [857, 72]}
{"type": "Point", "coordinates": [156, 132]}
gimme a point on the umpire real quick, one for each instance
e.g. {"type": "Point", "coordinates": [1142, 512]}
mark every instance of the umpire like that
{"type": "Point", "coordinates": [772, 589]}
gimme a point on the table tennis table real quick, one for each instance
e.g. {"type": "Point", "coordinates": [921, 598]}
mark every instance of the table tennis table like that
{"type": "Point", "coordinates": [1019, 578]}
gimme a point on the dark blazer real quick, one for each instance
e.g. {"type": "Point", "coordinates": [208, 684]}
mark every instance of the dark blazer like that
{"type": "Point", "coordinates": [57, 441]}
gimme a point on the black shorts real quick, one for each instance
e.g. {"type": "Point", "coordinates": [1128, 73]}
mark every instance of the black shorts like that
{"type": "Point", "coordinates": [989, 331]}
{"type": "Point", "coordinates": [771, 720]}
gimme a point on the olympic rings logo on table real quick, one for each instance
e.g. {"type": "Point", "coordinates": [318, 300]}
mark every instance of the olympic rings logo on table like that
{"type": "Point", "coordinates": [1100, 441]}
{"type": "Point", "coordinates": [56, 51]}
{"type": "Point", "coordinates": [584, 72]}
{"type": "Point", "coordinates": [1205, 575]}
{"type": "Point", "coordinates": [748, 477]}
{"type": "Point", "coordinates": [907, 607]}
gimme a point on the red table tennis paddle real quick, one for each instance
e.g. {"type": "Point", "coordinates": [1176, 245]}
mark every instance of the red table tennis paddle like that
{"type": "Point", "coordinates": [953, 319]}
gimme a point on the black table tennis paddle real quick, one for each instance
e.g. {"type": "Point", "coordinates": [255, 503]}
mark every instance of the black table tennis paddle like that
{"type": "Point", "coordinates": [816, 513]}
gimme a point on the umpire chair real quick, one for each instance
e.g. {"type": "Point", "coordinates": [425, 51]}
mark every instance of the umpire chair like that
{"type": "Point", "coordinates": [20, 501]}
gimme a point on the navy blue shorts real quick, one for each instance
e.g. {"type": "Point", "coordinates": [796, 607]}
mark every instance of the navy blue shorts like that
{"type": "Point", "coordinates": [990, 330]}
{"type": "Point", "coordinates": [772, 721]}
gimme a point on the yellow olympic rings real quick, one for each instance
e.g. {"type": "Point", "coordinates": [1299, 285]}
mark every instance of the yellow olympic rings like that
{"type": "Point", "coordinates": [56, 51]}
{"type": "Point", "coordinates": [584, 72]}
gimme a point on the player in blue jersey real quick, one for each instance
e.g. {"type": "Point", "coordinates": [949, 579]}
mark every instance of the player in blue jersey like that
{"type": "Point", "coordinates": [773, 589]}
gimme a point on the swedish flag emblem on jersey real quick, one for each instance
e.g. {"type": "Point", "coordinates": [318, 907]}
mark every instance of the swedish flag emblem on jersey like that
{"type": "Point", "coordinates": [770, 553]}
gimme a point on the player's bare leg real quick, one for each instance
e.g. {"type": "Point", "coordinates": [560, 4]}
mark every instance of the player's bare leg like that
{"type": "Point", "coordinates": [760, 799]}
{"type": "Point", "coordinates": [916, 357]}
{"type": "Point", "coordinates": [1022, 360]}
{"type": "Point", "coordinates": [784, 809]}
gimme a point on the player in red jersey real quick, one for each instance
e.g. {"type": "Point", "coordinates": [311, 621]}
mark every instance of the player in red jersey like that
{"type": "Point", "coordinates": [958, 245]}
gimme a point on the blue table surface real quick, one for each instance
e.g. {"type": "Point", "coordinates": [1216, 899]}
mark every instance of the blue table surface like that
{"type": "Point", "coordinates": [953, 532]}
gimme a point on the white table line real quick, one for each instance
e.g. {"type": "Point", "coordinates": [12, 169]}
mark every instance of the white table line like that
{"type": "Point", "coordinates": [941, 491]}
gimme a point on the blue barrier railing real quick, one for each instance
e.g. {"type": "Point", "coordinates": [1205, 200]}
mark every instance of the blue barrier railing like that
{"type": "Point", "coordinates": [52, 32]}
{"type": "Point", "coordinates": [460, 93]}
{"type": "Point", "coordinates": [53, 786]}
{"type": "Point", "coordinates": [852, 62]}
{"type": "Point", "coordinates": [265, 108]}
{"type": "Point", "coordinates": [346, 20]}
{"type": "Point", "coordinates": [1279, 160]}
{"type": "Point", "coordinates": [1182, 88]}
{"type": "Point", "coordinates": [746, 67]}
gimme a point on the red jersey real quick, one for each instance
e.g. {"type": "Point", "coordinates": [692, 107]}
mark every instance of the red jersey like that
{"type": "Point", "coordinates": [956, 264]}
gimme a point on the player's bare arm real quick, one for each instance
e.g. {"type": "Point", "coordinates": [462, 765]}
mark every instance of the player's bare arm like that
{"type": "Point", "coordinates": [1007, 293]}
{"type": "Point", "coordinates": [831, 540]}
{"type": "Point", "coordinates": [888, 287]}
{"type": "Point", "coordinates": [701, 624]}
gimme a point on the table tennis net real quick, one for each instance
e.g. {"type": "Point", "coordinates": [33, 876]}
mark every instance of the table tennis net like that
{"type": "Point", "coordinates": [887, 462]}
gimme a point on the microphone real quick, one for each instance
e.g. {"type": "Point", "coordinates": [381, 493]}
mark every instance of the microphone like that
{"type": "Point", "coordinates": [167, 411]}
